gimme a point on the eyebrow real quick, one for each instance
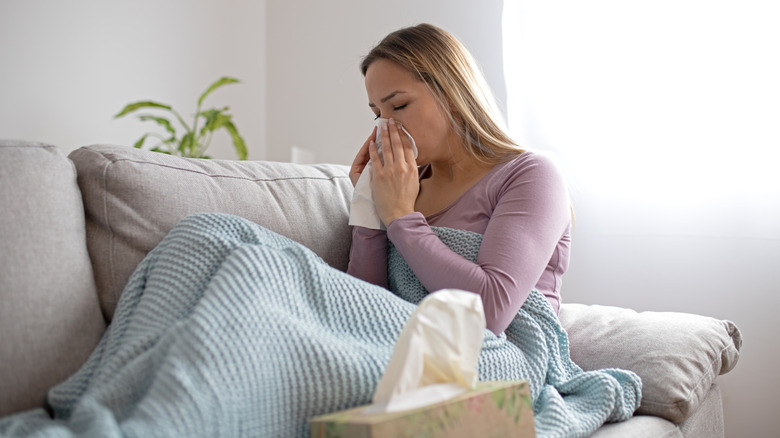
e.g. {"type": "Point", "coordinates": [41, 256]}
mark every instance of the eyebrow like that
{"type": "Point", "coordinates": [388, 97]}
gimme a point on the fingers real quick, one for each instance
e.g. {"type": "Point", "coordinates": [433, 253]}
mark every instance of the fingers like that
{"type": "Point", "coordinates": [395, 184]}
{"type": "Point", "coordinates": [361, 159]}
{"type": "Point", "coordinates": [395, 139]}
{"type": "Point", "coordinates": [374, 154]}
{"type": "Point", "coordinates": [370, 137]}
{"type": "Point", "coordinates": [406, 152]}
{"type": "Point", "coordinates": [398, 148]}
{"type": "Point", "coordinates": [362, 155]}
{"type": "Point", "coordinates": [387, 149]}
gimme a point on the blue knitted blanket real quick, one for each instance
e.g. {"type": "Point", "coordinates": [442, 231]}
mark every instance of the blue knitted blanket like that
{"type": "Point", "coordinates": [228, 329]}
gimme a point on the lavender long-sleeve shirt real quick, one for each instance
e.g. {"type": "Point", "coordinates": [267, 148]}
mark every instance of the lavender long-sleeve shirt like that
{"type": "Point", "coordinates": [521, 207]}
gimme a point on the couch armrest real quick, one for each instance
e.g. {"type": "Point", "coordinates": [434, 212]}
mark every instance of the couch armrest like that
{"type": "Point", "coordinates": [49, 315]}
{"type": "Point", "coordinates": [677, 355]}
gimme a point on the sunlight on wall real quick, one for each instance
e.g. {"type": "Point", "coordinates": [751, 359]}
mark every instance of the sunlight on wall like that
{"type": "Point", "coordinates": [667, 111]}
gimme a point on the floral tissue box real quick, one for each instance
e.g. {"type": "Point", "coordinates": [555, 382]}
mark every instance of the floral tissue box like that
{"type": "Point", "coordinates": [493, 409]}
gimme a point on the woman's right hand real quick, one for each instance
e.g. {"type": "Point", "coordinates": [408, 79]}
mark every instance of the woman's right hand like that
{"type": "Point", "coordinates": [361, 159]}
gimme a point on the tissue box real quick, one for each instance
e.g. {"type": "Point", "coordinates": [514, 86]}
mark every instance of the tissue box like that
{"type": "Point", "coordinates": [493, 409]}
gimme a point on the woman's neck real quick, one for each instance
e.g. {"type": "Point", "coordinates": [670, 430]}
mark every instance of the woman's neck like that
{"type": "Point", "coordinates": [461, 166]}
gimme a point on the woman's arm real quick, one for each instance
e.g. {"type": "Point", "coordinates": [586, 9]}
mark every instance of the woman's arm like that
{"type": "Point", "coordinates": [530, 216]}
{"type": "Point", "coordinates": [368, 252]}
{"type": "Point", "coordinates": [368, 255]}
{"type": "Point", "coordinates": [399, 183]}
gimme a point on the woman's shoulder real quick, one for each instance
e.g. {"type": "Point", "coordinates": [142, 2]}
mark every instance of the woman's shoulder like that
{"type": "Point", "coordinates": [530, 165]}
{"type": "Point", "coordinates": [534, 178]}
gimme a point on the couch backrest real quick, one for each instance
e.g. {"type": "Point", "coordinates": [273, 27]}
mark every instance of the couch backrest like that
{"type": "Point", "coordinates": [50, 320]}
{"type": "Point", "coordinates": [132, 198]}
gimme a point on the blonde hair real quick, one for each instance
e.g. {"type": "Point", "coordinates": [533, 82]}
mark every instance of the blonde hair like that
{"type": "Point", "coordinates": [438, 59]}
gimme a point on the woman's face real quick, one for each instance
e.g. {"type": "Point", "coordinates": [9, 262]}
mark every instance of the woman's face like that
{"type": "Point", "coordinates": [395, 93]}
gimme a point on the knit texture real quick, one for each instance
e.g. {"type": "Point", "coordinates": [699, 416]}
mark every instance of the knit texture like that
{"type": "Point", "coordinates": [568, 402]}
{"type": "Point", "coordinates": [228, 329]}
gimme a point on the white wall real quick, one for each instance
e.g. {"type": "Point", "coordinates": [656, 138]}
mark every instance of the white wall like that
{"type": "Point", "coordinates": [69, 67]}
{"type": "Point", "coordinates": [316, 94]}
{"type": "Point", "coordinates": [665, 115]}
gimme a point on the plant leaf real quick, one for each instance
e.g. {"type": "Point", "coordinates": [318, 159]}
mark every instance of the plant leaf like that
{"type": "Point", "coordinates": [156, 149]}
{"type": "Point", "coordinates": [140, 142]}
{"type": "Point", "coordinates": [162, 121]}
{"type": "Point", "coordinates": [238, 141]}
{"type": "Point", "coordinates": [220, 82]}
{"type": "Point", "coordinates": [142, 104]}
{"type": "Point", "coordinates": [187, 145]}
{"type": "Point", "coordinates": [215, 119]}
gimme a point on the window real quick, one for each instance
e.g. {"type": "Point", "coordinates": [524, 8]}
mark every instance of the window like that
{"type": "Point", "coordinates": [665, 115]}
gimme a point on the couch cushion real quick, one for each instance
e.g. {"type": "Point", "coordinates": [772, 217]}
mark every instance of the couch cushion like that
{"type": "Point", "coordinates": [133, 198]}
{"type": "Point", "coordinates": [706, 422]}
{"type": "Point", "coordinates": [50, 319]}
{"type": "Point", "coordinates": [677, 355]}
{"type": "Point", "coordinates": [640, 426]}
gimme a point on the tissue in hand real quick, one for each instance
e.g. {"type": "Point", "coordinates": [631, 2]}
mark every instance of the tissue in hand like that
{"type": "Point", "coordinates": [362, 211]}
{"type": "Point", "coordinates": [435, 356]}
{"type": "Point", "coordinates": [382, 122]}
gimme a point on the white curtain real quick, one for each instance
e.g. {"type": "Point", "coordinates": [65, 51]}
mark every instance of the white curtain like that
{"type": "Point", "coordinates": [664, 114]}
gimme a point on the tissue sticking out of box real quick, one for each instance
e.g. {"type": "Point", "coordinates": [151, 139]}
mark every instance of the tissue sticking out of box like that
{"type": "Point", "coordinates": [435, 356]}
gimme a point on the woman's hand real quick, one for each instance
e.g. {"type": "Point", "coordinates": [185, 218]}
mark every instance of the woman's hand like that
{"type": "Point", "coordinates": [395, 182]}
{"type": "Point", "coordinates": [361, 159]}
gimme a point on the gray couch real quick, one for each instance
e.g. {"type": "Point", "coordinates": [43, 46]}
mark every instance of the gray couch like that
{"type": "Point", "coordinates": [73, 228]}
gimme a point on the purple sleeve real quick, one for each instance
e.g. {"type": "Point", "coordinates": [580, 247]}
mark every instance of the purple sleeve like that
{"type": "Point", "coordinates": [368, 255]}
{"type": "Point", "coordinates": [529, 218]}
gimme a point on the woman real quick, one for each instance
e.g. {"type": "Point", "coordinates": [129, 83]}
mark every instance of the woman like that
{"type": "Point", "coordinates": [471, 176]}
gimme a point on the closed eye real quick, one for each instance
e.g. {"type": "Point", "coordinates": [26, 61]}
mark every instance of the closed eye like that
{"type": "Point", "coordinates": [395, 108]}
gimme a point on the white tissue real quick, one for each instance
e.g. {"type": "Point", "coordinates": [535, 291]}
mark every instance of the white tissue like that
{"type": "Point", "coordinates": [435, 357]}
{"type": "Point", "coordinates": [362, 212]}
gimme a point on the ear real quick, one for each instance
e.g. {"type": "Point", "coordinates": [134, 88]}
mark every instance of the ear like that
{"type": "Point", "coordinates": [453, 108]}
{"type": "Point", "coordinates": [454, 114]}
{"type": "Point", "coordinates": [447, 106]}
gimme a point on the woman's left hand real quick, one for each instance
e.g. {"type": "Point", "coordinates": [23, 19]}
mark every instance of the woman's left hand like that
{"type": "Point", "coordinates": [395, 182]}
{"type": "Point", "coordinates": [361, 160]}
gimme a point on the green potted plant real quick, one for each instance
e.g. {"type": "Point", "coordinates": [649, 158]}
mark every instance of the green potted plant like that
{"type": "Point", "coordinates": [196, 137]}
